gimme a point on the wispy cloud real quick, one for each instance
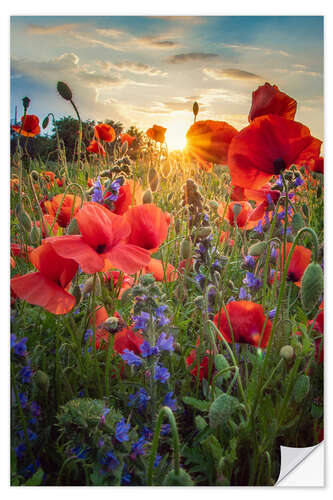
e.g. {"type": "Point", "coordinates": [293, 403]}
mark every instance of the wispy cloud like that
{"type": "Point", "coordinates": [132, 67]}
{"type": "Point", "coordinates": [231, 74]}
{"type": "Point", "coordinates": [156, 42]}
{"type": "Point", "coordinates": [263, 50]}
{"type": "Point", "coordinates": [298, 72]}
{"type": "Point", "coordinates": [35, 29]}
{"type": "Point", "coordinates": [112, 33]}
{"type": "Point", "coordinates": [190, 57]}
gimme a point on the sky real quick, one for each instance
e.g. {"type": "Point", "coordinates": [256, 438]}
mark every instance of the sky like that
{"type": "Point", "coordinates": [147, 70]}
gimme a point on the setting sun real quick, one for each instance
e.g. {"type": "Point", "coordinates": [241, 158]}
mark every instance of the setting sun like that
{"type": "Point", "coordinates": [175, 134]}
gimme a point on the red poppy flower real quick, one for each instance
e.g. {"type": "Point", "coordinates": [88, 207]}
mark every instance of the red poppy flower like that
{"type": "Point", "coordinates": [127, 339]}
{"type": "Point", "coordinates": [96, 147]}
{"type": "Point", "coordinates": [30, 126]}
{"type": "Point", "coordinates": [105, 132]}
{"type": "Point", "coordinates": [64, 217]}
{"type": "Point", "coordinates": [101, 315]}
{"type": "Point", "coordinates": [14, 184]}
{"type": "Point", "coordinates": [157, 133]}
{"type": "Point", "coordinates": [185, 264]}
{"type": "Point", "coordinates": [46, 225]}
{"type": "Point", "coordinates": [266, 147]}
{"type": "Point", "coordinates": [316, 165]}
{"type": "Point", "coordinates": [160, 273]}
{"type": "Point", "coordinates": [130, 193]}
{"type": "Point", "coordinates": [268, 99]}
{"type": "Point", "coordinates": [225, 236]}
{"type": "Point", "coordinates": [47, 287]}
{"type": "Point", "coordinates": [247, 320]}
{"type": "Point", "coordinates": [60, 182]}
{"type": "Point", "coordinates": [242, 217]}
{"type": "Point", "coordinates": [149, 226]}
{"type": "Point", "coordinates": [209, 140]}
{"type": "Point", "coordinates": [19, 250]}
{"type": "Point", "coordinates": [300, 260]}
{"type": "Point", "coordinates": [49, 177]}
{"type": "Point", "coordinates": [102, 242]}
{"type": "Point", "coordinates": [128, 138]}
{"type": "Point", "coordinates": [204, 363]}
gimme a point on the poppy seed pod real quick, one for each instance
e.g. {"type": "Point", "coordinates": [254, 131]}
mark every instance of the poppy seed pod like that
{"type": "Point", "coordinates": [153, 179]}
{"type": "Point", "coordinates": [195, 108]}
{"type": "Point", "coordinates": [64, 91]}
{"type": "Point", "coordinates": [180, 479]}
{"type": "Point", "coordinates": [88, 286]}
{"type": "Point", "coordinates": [35, 176]}
{"type": "Point", "coordinates": [312, 285]}
{"type": "Point", "coordinates": [237, 208]}
{"type": "Point", "coordinates": [147, 197]}
{"type": "Point", "coordinates": [287, 352]}
{"type": "Point", "coordinates": [25, 102]}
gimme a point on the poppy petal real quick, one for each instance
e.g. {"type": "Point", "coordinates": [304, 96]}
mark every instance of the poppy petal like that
{"type": "Point", "coordinates": [74, 247]}
{"type": "Point", "coordinates": [126, 257]}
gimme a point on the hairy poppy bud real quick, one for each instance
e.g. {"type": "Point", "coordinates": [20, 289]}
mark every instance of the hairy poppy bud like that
{"type": "Point", "coordinates": [287, 352]}
{"type": "Point", "coordinates": [199, 301]}
{"type": "Point", "coordinates": [64, 91]}
{"type": "Point", "coordinates": [88, 286]}
{"type": "Point", "coordinates": [186, 249]}
{"type": "Point", "coordinates": [42, 380]}
{"type": "Point", "coordinates": [153, 179]}
{"type": "Point", "coordinates": [73, 227]}
{"type": "Point", "coordinates": [237, 208]}
{"type": "Point", "coordinates": [147, 197]}
{"type": "Point", "coordinates": [297, 222]}
{"type": "Point", "coordinates": [312, 285]}
{"type": "Point", "coordinates": [181, 479]}
{"type": "Point", "coordinates": [305, 210]}
{"type": "Point", "coordinates": [76, 292]}
{"type": "Point", "coordinates": [35, 236]}
{"type": "Point", "coordinates": [25, 102]}
{"type": "Point", "coordinates": [257, 249]}
{"type": "Point", "coordinates": [204, 232]}
{"type": "Point", "coordinates": [45, 122]}
{"type": "Point", "coordinates": [111, 324]}
{"type": "Point", "coordinates": [195, 108]}
{"type": "Point", "coordinates": [213, 204]}
{"type": "Point", "coordinates": [24, 219]}
{"type": "Point", "coordinates": [124, 148]}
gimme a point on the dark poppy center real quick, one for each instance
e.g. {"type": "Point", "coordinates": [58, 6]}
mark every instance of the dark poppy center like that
{"type": "Point", "coordinates": [279, 166]}
{"type": "Point", "coordinates": [101, 248]}
{"type": "Point", "coordinates": [292, 277]}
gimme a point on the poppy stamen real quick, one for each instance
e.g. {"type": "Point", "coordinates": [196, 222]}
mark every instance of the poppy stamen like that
{"type": "Point", "coordinates": [100, 248]}
{"type": "Point", "coordinates": [279, 166]}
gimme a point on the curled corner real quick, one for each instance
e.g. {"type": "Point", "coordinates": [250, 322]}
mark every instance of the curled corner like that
{"type": "Point", "coordinates": [291, 458]}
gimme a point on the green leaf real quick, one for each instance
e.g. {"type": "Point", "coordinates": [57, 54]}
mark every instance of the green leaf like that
{"type": "Point", "coordinates": [213, 446]}
{"type": "Point", "coordinates": [301, 388]}
{"type": "Point", "coordinates": [222, 409]}
{"type": "Point", "coordinates": [196, 403]}
{"type": "Point", "coordinates": [317, 411]}
{"type": "Point", "coordinates": [36, 479]}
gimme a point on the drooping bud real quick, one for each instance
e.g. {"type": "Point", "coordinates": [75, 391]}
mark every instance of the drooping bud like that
{"type": "Point", "coordinates": [147, 197]}
{"type": "Point", "coordinates": [153, 179]}
{"type": "Point", "coordinates": [25, 102]}
{"type": "Point", "coordinates": [35, 236]}
{"type": "Point", "coordinates": [287, 352]}
{"type": "Point", "coordinates": [64, 91]}
{"type": "Point", "coordinates": [166, 169]}
{"type": "Point", "coordinates": [88, 286]}
{"type": "Point", "coordinates": [42, 381]}
{"type": "Point", "coordinates": [186, 249]}
{"type": "Point", "coordinates": [257, 249]}
{"type": "Point", "coordinates": [73, 227]}
{"type": "Point", "coordinates": [77, 294]}
{"type": "Point", "coordinates": [312, 285]}
{"type": "Point", "coordinates": [45, 122]}
{"type": "Point", "coordinates": [24, 219]}
{"type": "Point", "coordinates": [297, 222]}
{"type": "Point", "coordinates": [35, 176]}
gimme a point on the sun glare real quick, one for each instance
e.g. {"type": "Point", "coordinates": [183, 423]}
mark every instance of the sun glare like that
{"type": "Point", "coordinates": [175, 135]}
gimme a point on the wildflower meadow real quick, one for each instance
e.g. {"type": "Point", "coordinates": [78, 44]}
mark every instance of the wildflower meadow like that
{"type": "Point", "coordinates": [166, 306]}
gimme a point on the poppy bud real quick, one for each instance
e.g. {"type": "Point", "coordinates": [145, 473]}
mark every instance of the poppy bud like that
{"type": "Point", "coordinates": [124, 148]}
{"type": "Point", "coordinates": [147, 197]}
{"type": "Point", "coordinates": [297, 222]}
{"type": "Point", "coordinates": [76, 292]}
{"type": "Point", "coordinates": [237, 208]}
{"type": "Point", "coordinates": [111, 324]}
{"type": "Point", "coordinates": [45, 121]}
{"type": "Point", "coordinates": [257, 249]}
{"type": "Point", "coordinates": [153, 179]}
{"type": "Point", "coordinates": [64, 91]}
{"type": "Point", "coordinates": [312, 285]}
{"type": "Point", "coordinates": [199, 301]}
{"type": "Point", "coordinates": [24, 219]}
{"type": "Point", "coordinates": [73, 227]}
{"type": "Point", "coordinates": [166, 169]}
{"type": "Point", "coordinates": [213, 204]}
{"type": "Point", "coordinates": [180, 479]}
{"type": "Point", "coordinates": [195, 108]}
{"type": "Point", "coordinates": [105, 173]}
{"type": "Point", "coordinates": [287, 352]}
{"type": "Point", "coordinates": [35, 176]}
{"type": "Point", "coordinates": [305, 210]}
{"type": "Point", "coordinates": [35, 236]}
{"type": "Point", "coordinates": [42, 381]}
{"type": "Point", "coordinates": [25, 102]}
{"type": "Point", "coordinates": [186, 249]}
{"type": "Point", "coordinates": [204, 232]}
{"type": "Point", "coordinates": [88, 286]}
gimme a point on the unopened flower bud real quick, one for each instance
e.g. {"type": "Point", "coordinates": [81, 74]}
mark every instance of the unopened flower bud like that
{"type": "Point", "coordinates": [213, 204]}
{"type": "Point", "coordinates": [64, 91]}
{"type": "Point", "coordinates": [25, 102]}
{"type": "Point", "coordinates": [204, 231]}
{"type": "Point", "coordinates": [195, 108]}
{"type": "Point", "coordinates": [42, 380]}
{"type": "Point", "coordinates": [237, 208]}
{"type": "Point", "coordinates": [153, 179]}
{"type": "Point", "coordinates": [147, 197]}
{"type": "Point", "coordinates": [257, 249]}
{"type": "Point", "coordinates": [287, 352]}
{"type": "Point", "coordinates": [24, 219]}
{"type": "Point", "coordinates": [45, 122]}
{"type": "Point", "coordinates": [76, 292]}
{"type": "Point", "coordinates": [186, 249]}
{"type": "Point", "coordinates": [35, 236]}
{"type": "Point", "coordinates": [111, 324]}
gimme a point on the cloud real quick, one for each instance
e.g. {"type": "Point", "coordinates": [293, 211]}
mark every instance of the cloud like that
{"type": "Point", "coordinates": [109, 32]}
{"type": "Point", "coordinates": [155, 42]}
{"type": "Point", "coordinates": [258, 49]}
{"type": "Point", "coordinates": [131, 67]}
{"type": "Point", "coordinates": [34, 29]}
{"type": "Point", "coordinates": [182, 19]}
{"type": "Point", "coordinates": [190, 56]}
{"type": "Point", "coordinates": [231, 74]}
{"type": "Point", "coordinates": [90, 41]}
{"type": "Point", "coordinates": [298, 72]}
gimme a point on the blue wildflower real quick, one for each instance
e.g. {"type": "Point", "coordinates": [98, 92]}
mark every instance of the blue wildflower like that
{"type": "Point", "coordinates": [249, 261]}
{"type": "Point", "coordinates": [105, 412]}
{"type": "Point", "coordinates": [272, 313]}
{"type": "Point", "coordinates": [147, 433]}
{"type": "Point", "coordinates": [97, 196]}
{"type": "Point", "coordinates": [170, 401]}
{"type": "Point", "coordinates": [139, 399]}
{"type": "Point", "coordinates": [157, 460]}
{"type": "Point", "coordinates": [165, 343]}
{"type": "Point", "coordinates": [131, 358]}
{"type": "Point", "coordinates": [20, 450]}
{"type": "Point", "coordinates": [23, 399]}
{"type": "Point", "coordinates": [109, 460]}
{"type": "Point", "coordinates": [79, 452]}
{"type": "Point", "coordinates": [159, 311]}
{"type": "Point", "coordinates": [200, 279]}
{"type": "Point", "coordinates": [88, 334]}
{"type": "Point", "coordinates": [138, 448]}
{"type": "Point", "coordinates": [35, 409]}
{"type": "Point", "coordinates": [242, 294]}
{"type": "Point", "coordinates": [12, 339]}
{"type": "Point", "coordinates": [126, 477]}
{"type": "Point", "coordinates": [299, 181]}
{"type": "Point", "coordinates": [147, 350]}
{"type": "Point", "coordinates": [32, 436]}
{"type": "Point", "coordinates": [258, 228]}
{"type": "Point", "coordinates": [279, 182]}
{"type": "Point", "coordinates": [122, 431]}
{"type": "Point", "coordinates": [114, 188]}
{"type": "Point", "coordinates": [141, 321]}
{"type": "Point", "coordinates": [161, 374]}
{"type": "Point", "coordinates": [20, 348]}
{"type": "Point", "coordinates": [251, 281]}
{"type": "Point", "coordinates": [26, 374]}
{"type": "Point", "coordinates": [165, 429]}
